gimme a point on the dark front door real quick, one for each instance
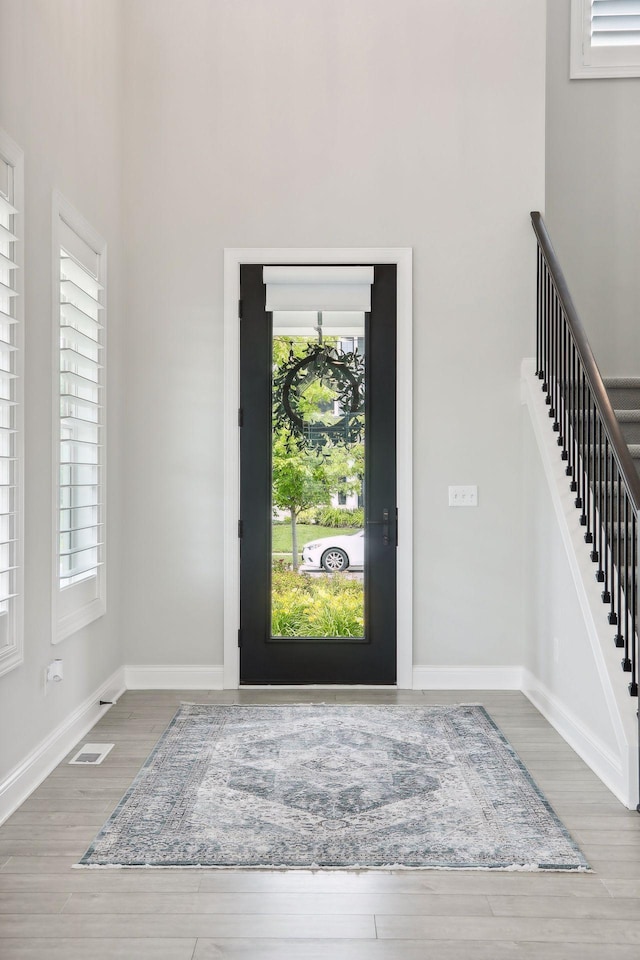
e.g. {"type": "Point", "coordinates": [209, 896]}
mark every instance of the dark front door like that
{"type": "Point", "coordinates": [318, 519]}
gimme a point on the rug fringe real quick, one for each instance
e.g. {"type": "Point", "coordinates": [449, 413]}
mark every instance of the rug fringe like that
{"type": "Point", "coordinates": [352, 868]}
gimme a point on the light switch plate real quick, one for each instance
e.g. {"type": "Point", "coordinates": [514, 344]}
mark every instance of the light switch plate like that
{"type": "Point", "coordinates": [463, 496]}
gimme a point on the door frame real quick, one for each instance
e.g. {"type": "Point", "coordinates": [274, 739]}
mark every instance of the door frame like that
{"type": "Point", "coordinates": [403, 258]}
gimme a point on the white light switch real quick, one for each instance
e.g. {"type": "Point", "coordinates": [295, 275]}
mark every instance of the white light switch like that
{"type": "Point", "coordinates": [463, 496]}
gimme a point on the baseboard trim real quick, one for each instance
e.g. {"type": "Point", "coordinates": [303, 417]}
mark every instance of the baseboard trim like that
{"type": "Point", "coordinates": [604, 763]}
{"type": "Point", "coordinates": [211, 676]}
{"type": "Point", "coordinates": [170, 676]}
{"type": "Point", "coordinates": [37, 765]}
{"type": "Point", "coordinates": [276, 687]}
{"type": "Point", "coordinates": [467, 678]}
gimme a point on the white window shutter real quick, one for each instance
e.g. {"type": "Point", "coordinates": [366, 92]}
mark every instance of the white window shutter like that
{"type": "Point", "coordinates": [80, 531]}
{"type": "Point", "coordinates": [615, 23]}
{"type": "Point", "coordinates": [11, 439]}
{"type": "Point", "coordinates": [605, 38]}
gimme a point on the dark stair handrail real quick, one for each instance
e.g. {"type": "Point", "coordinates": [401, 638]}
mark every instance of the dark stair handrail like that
{"type": "Point", "coordinates": [599, 393]}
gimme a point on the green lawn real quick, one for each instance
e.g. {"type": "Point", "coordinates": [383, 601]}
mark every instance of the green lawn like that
{"type": "Point", "coordinates": [281, 542]}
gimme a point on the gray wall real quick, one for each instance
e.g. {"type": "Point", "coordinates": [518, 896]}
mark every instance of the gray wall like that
{"type": "Point", "coordinates": [60, 101]}
{"type": "Point", "coordinates": [593, 197]}
{"type": "Point", "coordinates": [325, 123]}
{"type": "Point", "coordinates": [251, 124]}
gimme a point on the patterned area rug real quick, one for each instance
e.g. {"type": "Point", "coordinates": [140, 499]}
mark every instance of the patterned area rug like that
{"type": "Point", "coordinates": [318, 785]}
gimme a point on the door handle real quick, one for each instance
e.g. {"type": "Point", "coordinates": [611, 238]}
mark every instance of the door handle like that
{"type": "Point", "coordinates": [386, 530]}
{"type": "Point", "coordinates": [386, 526]}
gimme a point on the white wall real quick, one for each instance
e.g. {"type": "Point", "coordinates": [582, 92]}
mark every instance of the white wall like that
{"type": "Point", "coordinates": [593, 197]}
{"type": "Point", "coordinates": [60, 100]}
{"type": "Point", "coordinates": [327, 123]}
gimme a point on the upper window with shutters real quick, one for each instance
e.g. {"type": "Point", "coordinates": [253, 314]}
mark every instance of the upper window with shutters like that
{"type": "Point", "coordinates": [605, 38]}
{"type": "Point", "coordinates": [79, 589]}
{"type": "Point", "coordinates": [11, 409]}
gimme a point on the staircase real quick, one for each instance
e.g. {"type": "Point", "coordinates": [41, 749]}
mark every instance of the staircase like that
{"type": "Point", "coordinates": [597, 424]}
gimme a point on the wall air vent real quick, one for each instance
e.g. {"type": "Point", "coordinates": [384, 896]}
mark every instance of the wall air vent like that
{"type": "Point", "coordinates": [92, 753]}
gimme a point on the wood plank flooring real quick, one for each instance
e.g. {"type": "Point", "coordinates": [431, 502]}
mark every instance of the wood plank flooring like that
{"type": "Point", "coordinates": [48, 910]}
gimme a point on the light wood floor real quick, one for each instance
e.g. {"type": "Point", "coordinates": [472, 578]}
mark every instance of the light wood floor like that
{"type": "Point", "coordinates": [48, 910]}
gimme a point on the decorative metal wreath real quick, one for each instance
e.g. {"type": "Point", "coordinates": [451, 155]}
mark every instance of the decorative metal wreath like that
{"type": "Point", "coordinates": [344, 372]}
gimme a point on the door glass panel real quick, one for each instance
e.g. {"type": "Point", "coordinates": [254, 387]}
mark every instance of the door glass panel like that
{"type": "Point", "coordinates": [318, 470]}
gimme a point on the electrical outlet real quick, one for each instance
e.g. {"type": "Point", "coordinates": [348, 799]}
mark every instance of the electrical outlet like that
{"type": "Point", "coordinates": [463, 496]}
{"type": "Point", "coordinates": [55, 673]}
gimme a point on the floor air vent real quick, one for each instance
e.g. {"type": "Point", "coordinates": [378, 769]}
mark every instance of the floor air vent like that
{"type": "Point", "coordinates": [92, 753]}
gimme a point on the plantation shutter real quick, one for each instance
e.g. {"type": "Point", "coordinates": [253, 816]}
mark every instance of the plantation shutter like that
{"type": "Point", "coordinates": [605, 38]}
{"type": "Point", "coordinates": [9, 413]}
{"type": "Point", "coordinates": [615, 23]}
{"type": "Point", "coordinates": [81, 411]}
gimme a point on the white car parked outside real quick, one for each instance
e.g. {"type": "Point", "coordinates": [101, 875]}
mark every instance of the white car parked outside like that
{"type": "Point", "coordinates": [334, 554]}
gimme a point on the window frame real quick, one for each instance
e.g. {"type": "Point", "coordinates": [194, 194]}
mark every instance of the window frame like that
{"type": "Point", "coordinates": [12, 654]}
{"type": "Point", "coordinates": [65, 623]}
{"type": "Point", "coordinates": [592, 63]}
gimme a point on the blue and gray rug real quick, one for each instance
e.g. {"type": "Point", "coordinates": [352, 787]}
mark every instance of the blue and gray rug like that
{"type": "Point", "coordinates": [318, 785]}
